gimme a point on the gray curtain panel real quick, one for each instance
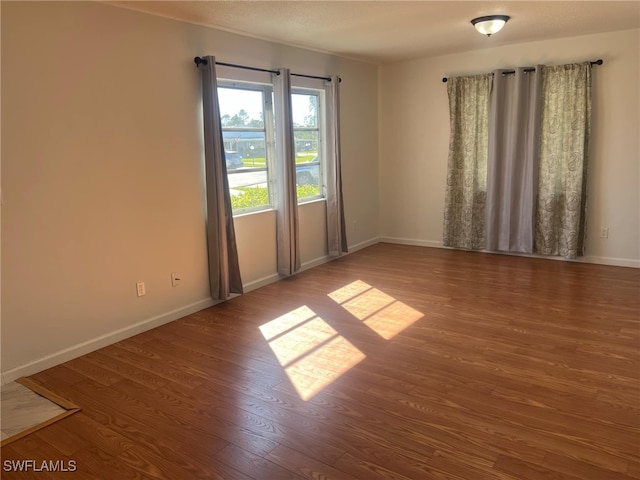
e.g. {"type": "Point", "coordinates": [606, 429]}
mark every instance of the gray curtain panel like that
{"type": "Point", "coordinates": [224, 270]}
{"type": "Point", "coordinates": [464, 211]}
{"type": "Point", "coordinates": [512, 164]}
{"type": "Point", "coordinates": [336, 230]}
{"type": "Point", "coordinates": [287, 235]}
{"type": "Point", "coordinates": [562, 195]}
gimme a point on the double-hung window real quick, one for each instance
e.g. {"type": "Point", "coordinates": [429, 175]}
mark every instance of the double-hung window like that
{"type": "Point", "coordinates": [248, 132]}
{"type": "Point", "coordinates": [246, 114]}
{"type": "Point", "coordinates": [308, 132]}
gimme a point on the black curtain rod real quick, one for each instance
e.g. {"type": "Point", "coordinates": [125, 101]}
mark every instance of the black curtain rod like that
{"type": "Point", "coordinates": [328, 79]}
{"type": "Point", "coordinates": [201, 61]}
{"type": "Point", "coordinates": [508, 72]}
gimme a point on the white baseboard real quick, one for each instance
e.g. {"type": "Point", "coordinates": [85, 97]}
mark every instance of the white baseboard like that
{"type": "Point", "coordinates": [102, 341]}
{"type": "Point", "coordinates": [274, 277]}
{"type": "Point", "coordinates": [412, 241]}
{"type": "Point", "coordinates": [316, 262]}
{"type": "Point", "coordinates": [94, 344]}
{"type": "Point", "coordinates": [113, 337]}
{"type": "Point", "coordinates": [365, 244]}
{"type": "Point", "coordinates": [611, 261]}
{"type": "Point", "coordinates": [260, 282]}
{"type": "Point", "coordinates": [615, 262]}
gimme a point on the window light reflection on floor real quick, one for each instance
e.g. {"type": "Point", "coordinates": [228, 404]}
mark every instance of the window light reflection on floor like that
{"type": "Point", "coordinates": [312, 353]}
{"type": "Point", "coordinates": [380, 312]}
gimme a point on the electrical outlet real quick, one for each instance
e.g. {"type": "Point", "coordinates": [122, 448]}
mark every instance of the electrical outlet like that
{"type": "Point", "coordinates": [175, 279]}
{"type": "Point", "coordinates": [604, 232]}
{"type": "Point", "coordinates": [140, 289]}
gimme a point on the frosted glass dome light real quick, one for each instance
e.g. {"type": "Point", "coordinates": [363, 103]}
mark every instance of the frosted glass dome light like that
{"type": "Point", "coordinates": [490, 24]}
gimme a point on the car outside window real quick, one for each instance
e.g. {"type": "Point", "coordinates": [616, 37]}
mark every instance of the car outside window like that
{"type": "Point", "coordinates": [308, 138]}
{"type": "Point", "coordinates": [246, 115]}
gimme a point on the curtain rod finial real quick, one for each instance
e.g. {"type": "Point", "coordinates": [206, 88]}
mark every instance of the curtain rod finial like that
{"type": "Point", "coordinates": [199, 61]}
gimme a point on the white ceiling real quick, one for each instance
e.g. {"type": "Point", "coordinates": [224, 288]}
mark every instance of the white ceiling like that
{"type": "Point", "coordinates": [388, 31]}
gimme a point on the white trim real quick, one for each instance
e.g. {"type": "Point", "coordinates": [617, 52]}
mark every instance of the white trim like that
{"type": "Point", "coordinates": [102, 341]}
{"type": "Point", "coordinates": [412, 241]}
{"type": "Point", "coordinates": [261, 282]}
{"type": "Point", "coordinates": [611, 261]}
{"type": "Point", "coordinates": [365, 244]}
{"type": "Point", "coordinates": [315, 262]}
{"type": "Point", "coordinates": [615, 262]}
{"type": "Point", "coordinates": [274, 277]}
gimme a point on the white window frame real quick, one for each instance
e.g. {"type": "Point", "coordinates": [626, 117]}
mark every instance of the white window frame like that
{"type": "Point", "coordinates": [258, 81]}
{"type": "Point", "coordinates": [321, 128]}
{"type": "Point", "coordinates": [269, 131]}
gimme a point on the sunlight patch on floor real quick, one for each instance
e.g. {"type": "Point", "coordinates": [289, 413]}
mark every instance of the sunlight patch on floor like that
{"type": "Point", "coordinates": [312, 352]}
{"type": "Point", "coordinates": [380, 312]}
{"type": "Point", "coordinates": [286, 322]}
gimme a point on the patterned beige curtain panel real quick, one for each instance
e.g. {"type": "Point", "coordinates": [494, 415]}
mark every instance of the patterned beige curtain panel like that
{"type": "Point", "coordinates": [564, 147]}
{"type": "Point", "coordinates": [466, 190]}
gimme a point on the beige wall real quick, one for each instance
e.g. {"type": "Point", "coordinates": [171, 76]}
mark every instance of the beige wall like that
{"type": "Point", "coordinates": [414, 126]}
{"type": "Point", "coordinates": [102, 174]}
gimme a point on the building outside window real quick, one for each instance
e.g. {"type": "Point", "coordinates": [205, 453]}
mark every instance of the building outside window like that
{"type": "Point", "coordinates": [246, 114]}
{"type": "Point", "coordinates": [247, 118]}
{"type": "Point", "coordinates": [308, 135]}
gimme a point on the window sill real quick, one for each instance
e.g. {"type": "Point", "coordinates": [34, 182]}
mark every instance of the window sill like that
{"type": "Point", "coordinates": [253, 212]}
{"type": "Point", "coordinates": [312, 200]}
{"type": "Point", "coordinates": [267, 210]}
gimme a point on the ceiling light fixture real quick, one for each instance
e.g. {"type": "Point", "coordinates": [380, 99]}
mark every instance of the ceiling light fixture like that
{"type": "Point", "coordinates": [490, 24]}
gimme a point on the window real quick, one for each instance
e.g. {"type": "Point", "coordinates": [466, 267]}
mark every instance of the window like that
{"type": "Point", "coordinates": [248, 132]}
{"type": "Point", "coordinates": [246, 114]}
{"type": "Point", "coordinates": [308, 136]}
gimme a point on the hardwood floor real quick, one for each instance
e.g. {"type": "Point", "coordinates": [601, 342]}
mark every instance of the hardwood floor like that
{"type": "Point", "coordinates": [415, 363]}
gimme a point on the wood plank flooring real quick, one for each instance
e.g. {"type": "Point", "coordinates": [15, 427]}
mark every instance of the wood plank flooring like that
{"type": "Point", "coordinates": [394, 362]}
